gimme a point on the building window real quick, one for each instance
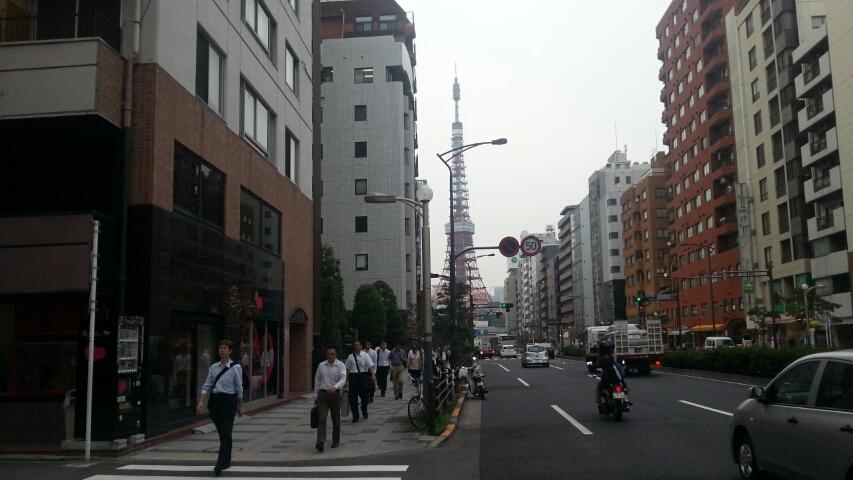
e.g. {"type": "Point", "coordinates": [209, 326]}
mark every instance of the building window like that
{"type": "Point", "coordinates": [327, 74]}
{"type": "Point", "coordinates": [756, 92]}
{"type": "Point", "coordinates": [408, 262]}
{"type": "Point", "coordinates": [778, 149]}
{"type": "Point", "coordinates": [768, 257]}
{"type": "Point", "coordinates": [291, 69]}
{"type": "Point", "coordinates": [661, 213]}
{"type": "Point", "coordinates": [708, 195]}
{"type": "Point", "coordinates": [615, 269]}
{"type": "Point", "coordinates": [361, 261]}
{"type": "Point", "coordinates": [660, 193]}
{"type": "Point", "coordinates": [759, 155]}
{"type": "Point", "coordinates": [257, 119]}
{"type": "Point", "coordinates": [360, 224]}
{"type": "Point", "coordinates": [611, 201]}
{"type": "Point", "coordinates": [753, 59]}
{"type": "Point", "coordinates": [616, 180]}
{"type": "Point", "coordinates": [363, 75]}
{"type": "Point", "coordinates": [361, 186]}
{"type": "Point", "coordinates": [785, 247]}
{"type": "Point", "coordinates": [199, 189]}
{"type": "Point", "coordinates": [360, 149]}
{"type": "Point", "coordinates": [258, 18]}
{"type": "Point", "coordinates": [363, 24]}
{"type": "Point", "coordinates": [407, 226]}
{"type": "Point", "coordinates": [781, 181]}
{"type": "Point", "coordinates": [208, 73]}
{"type": "Point", "coordinates": [784, 223]}
{"type": "Point", "coordinates": [387, 22]}
{"type": "Point", "coordinates": [361, 113]}
{"type": "Point", "coordinates": [762, 189]}
{"type": "Point", "coordinates": [260, 224]}
{"type": "Point", "coordinates": [628, 179]}
{"type": "Point", "coordinates": [750, 26]}
{"type": "Point", "coordinates": [612, 219]}
{"type": "Point", "coordinates": [818, 21]}
{"type": "Point", "coordinates": [613, 235]}
{"type": "Point", "coordinates": [756, 120]}
{"type": "Point", "coordinates": [765, 223]}
{"type": "Point", "coordinates": [614, 252]}
{"type": "Point", "coordinates": [291, 156]}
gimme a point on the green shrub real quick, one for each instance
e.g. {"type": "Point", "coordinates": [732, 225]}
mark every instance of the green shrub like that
{"type": "Point", "coordinates": [754, 361]}
{"type": "Point", "coordinates": [573, 351]}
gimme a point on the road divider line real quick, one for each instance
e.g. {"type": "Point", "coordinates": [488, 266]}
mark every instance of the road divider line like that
{"type": "Point", "coordinates": [701, 378]}
{"type": "Point", "coordinates": [721, 412]}
{"type": "Point", "coordinates": [271, 469]}
{"type": "Point", "coordinates": [571, 420]}
{"type": "Point", "coordinates": [522, 382]}
{"type": "Point", "coordinates": [506, 369]}
{"type": "Point", "coordinates": [558, 368]}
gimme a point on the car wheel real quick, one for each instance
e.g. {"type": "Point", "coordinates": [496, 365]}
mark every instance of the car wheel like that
{"type": "Point", "coordinates": [746, 460]}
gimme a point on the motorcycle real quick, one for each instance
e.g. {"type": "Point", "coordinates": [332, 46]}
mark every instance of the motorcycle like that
{"type": "Point", "coordinates": [475, 377]}
{"type": "Point", "coordinates": [615, 402]}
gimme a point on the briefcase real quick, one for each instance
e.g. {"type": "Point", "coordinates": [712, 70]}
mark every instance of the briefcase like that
{"type": "Point", "coordinates": [315, 417]}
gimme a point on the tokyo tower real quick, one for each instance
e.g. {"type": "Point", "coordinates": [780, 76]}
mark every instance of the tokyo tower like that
{"type": "Point", "coordinates": [467, 271]}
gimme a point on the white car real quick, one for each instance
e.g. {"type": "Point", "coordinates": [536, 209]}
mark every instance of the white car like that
{"type": "Point", "coordinates": [719, 342]}
{"type": "Point", "coordinates": [508, 351]}
{"type": "Point", "coordinates": [535, 355]}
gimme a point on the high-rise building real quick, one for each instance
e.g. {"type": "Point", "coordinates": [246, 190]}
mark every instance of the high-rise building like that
{"type": "Point", "coordinates": [185, 129]}
{"type": "Point", "coordinates": [549, 300]}
{"type": "Point", "coordinates": [584, 301]}
{"type": "Point", "coordinates": [606, 186]}
{"type": "Point", "coordinates": [565, 280]}
{"type": "Point", "coordinates": [703, 174]}
{"type": "Point", "coordinates": [645, 223]}
{"type": "Point", "coordinates": [369, 137]}
{"type": "Point", "coordinates": [511, 287]}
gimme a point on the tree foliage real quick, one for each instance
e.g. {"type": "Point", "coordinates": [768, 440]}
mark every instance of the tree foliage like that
{"type": "Point", "coordinates": [368, 313]}
{"type": "Point", "coordinates": [332, 306]}
{"type": "Point", "coordinates": [395, 320]}
{"type": "Point", "coordinates": [795, 306]}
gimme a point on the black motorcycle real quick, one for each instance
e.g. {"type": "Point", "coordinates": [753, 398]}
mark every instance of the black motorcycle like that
{"type": "Point", "coordinates": [615, 401]}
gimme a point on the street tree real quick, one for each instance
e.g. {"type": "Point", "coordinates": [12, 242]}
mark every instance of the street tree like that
{"type": "Point", "coordinates": [332, 306]}
{"type": "Point", "coordinates": [368, 313]}
{"type": "Point", "coordinates": [795, 306]}
{"type": "Point", "coordinates": [395, 320]}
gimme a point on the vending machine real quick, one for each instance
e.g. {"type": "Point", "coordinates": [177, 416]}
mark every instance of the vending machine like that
{"type": "Point", "coordinates": [129, 394]}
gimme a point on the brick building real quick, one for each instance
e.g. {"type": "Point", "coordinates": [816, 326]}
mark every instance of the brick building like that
{"type": "Point", "coordinates": [192, 133]}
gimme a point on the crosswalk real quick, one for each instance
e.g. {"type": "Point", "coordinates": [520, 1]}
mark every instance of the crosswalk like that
{"type": "Point", "coordinates": [254, 472]}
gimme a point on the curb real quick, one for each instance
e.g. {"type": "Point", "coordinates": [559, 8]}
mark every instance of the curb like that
{"type": "Point", "coordinates": [451, 426]}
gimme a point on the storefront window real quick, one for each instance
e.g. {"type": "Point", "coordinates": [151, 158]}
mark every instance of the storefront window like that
{"type": "Point", "coordinates": [181, 394]}
{"type": "Point", "coordinates": [260, 359]}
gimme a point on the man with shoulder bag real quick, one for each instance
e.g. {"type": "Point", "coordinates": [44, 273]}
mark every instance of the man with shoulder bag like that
{"type": "Point", "coordinates": [224, 385]}
{"type": "Point", "coordinates": [360, 371]}
{"type": "Point", "coordinates": [330, 378]}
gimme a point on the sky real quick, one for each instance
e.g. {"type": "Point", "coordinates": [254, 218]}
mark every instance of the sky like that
{"type": "Point", "coordinates": [561, 80]}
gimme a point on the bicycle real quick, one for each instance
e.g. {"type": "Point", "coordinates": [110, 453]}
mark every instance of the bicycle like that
{"type": "Point", "coordinates": [417, 413]}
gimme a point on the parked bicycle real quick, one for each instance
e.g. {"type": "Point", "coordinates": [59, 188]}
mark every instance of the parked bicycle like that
{"type": "Point", "coordinates": [417, 413]}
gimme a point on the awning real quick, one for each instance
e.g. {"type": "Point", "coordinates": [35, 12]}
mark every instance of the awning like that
{"type": "Point", "coordinates": [721, 328]}
{"type": "Point", "coordinates": [675, 333]}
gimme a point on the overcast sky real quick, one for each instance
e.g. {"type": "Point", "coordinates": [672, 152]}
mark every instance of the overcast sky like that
{"type": "Point", "coordinates": [553, 77]}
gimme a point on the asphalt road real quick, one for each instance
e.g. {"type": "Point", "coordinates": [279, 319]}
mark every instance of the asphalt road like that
{"type": "Point", "coordinates": [535, 423]}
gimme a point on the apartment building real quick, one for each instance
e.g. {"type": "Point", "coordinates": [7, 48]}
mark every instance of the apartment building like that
{"type": "Point", "coordinates": [565, 284]}
{"type": "Point", "coordinates": [185, 129]}
{"type": "Point", "coordinates": [645, 223]}
{"type": "Point", "coordinates": [549, 297]}
{"type": "Point", "coordinates": [606, 186]}
{"type": "Point", "coordinates": [703, 174]}
{"type": "Point", "coordinates": [369, 140]}
{"type": "Point", "coordinates": [512, 295]}
{"type": "Point", "coordinates": [584, 301]}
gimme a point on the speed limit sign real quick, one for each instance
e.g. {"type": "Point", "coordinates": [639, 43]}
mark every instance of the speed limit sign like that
{"type": "Point", "coordinates": [531, 246]}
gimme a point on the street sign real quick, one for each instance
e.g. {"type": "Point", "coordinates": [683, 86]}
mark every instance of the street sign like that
{"type": "Point", "coordinates": [508, 247]}
{"type": "Point", "coordinates": [748, 287]}
{"type": "Point", "coordinates": [531, 246]}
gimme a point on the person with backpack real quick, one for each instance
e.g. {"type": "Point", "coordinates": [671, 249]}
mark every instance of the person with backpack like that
{"type": "Point", "coordinates": [224, 386]}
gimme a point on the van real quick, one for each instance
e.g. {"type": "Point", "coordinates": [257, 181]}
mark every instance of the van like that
{"type": "Point", "coordinates": [719, 342]}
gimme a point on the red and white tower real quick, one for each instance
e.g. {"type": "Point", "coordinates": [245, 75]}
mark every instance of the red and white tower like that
{"type": "Point", "coordinates": [463, 236]}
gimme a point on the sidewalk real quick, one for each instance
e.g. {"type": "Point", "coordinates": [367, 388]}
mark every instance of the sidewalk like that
{"type": "Point", "coordinates": [284, 434]}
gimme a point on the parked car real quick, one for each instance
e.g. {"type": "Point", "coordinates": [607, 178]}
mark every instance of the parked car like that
{"type": "Point", "coordinates": [508, 351]}
{"type": "Point", "coordinates": [548, 349]}
{"type": "Point", "coordinates": [535, 355]}
{"type": "Point", "coordinates": [487, 353]}
{"type": "Point", "coordinates": [719, 342]}
{"type": "Point", "coordinates": [807, 409]}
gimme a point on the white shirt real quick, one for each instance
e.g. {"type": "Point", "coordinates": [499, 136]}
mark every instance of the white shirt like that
{"type": "Point", "coordinates": [372, 354]}
{"type": "Point", "coordinates": [330, 375]}
{"type": "Point", "coordinates": [414, 360]}
{"type": "Point", "coordinates": [365, 363]}
{"type": "Point", "coordinates": [382, 357]}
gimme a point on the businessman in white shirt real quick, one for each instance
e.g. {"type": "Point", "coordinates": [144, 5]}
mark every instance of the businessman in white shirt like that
{"type": "Point", "coordinates": [330, 378]}
{"type": "Point", "coordinates": [360, 371]}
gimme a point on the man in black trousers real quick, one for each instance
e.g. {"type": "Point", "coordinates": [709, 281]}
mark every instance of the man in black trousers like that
{"type": "Point", "coordinates": [360, 370]}
{"type": "Point", "coordinates": [224, 385]}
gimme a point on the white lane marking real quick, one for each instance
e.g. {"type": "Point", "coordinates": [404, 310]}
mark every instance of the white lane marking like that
{"type": "Point", "coordinates": [558, 368]}
{"type": "Point", "coordinates": [522, 382]}
{"type": "Point", "coordinates": [571, 420]}
{"type": "Point", "coordinates": [503, 367]}
{"type": "Point", "coordinates": [701, 378]}
{"type": "Point", "coordinates": [259, 469]}
{"type": "Point", "coordinates": [171, 477]}
{"type": "Point", "coordinates": [706, 408]}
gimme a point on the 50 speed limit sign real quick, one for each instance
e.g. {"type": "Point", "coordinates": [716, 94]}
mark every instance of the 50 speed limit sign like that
{"type": "Point", "coordinates": [531, 246]}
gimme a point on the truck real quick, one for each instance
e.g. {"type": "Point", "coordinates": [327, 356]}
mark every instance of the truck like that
{"type": "Point", "coordinates": [638, 348]}
{"type": "Point", "coordinates": [593, 336]}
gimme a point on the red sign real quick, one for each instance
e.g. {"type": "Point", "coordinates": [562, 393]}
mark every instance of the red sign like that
{"type": "Point", "coordinates": [508, 247]}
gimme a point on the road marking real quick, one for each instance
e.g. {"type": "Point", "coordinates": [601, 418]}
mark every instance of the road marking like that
{"type": "Point", "coordinates": [702, 378]}
{"type": "Point", "coordinates": [207, 477]}
{"type": "Point", "coordinates": [503, 367]}
{"type": "Point", "coordinates": [571, 420]}
{"type": "Point", "coordinates": [558, 368]}
{"type": "Point", "coordinates": [259, 469]}
{"type": "Point", "coordinates": [706, 408]}
{"type": "Point", "coordinates": [523, 382]}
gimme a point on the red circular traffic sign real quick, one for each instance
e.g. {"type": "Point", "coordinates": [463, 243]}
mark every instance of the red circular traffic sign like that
{"type": "Point", "coordinates": [531, 246]}
{"type": "Point", "coordinates": [509, 247]}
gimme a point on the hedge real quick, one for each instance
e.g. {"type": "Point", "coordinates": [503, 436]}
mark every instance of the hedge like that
{"type": "Point", "coordinates": [753, 361]}
{"type": "Point", "coordinates": [573, 351]}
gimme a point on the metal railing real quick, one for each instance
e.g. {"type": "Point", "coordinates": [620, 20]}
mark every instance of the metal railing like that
{"type": "Point", "coordinates": [818, 144]}
{"type": "Point", "coordinates": [810, 71]}
{"type": "Point", "coordinates": [821, 182]}
{"type": "Point", "coordinates": [826, 221]}
{"type": "Point", "coordinates": [814, 106]}
{"type": "Point", "coordinates": [59, 23]}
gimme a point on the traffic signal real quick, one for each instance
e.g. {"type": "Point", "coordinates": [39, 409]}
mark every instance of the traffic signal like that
{"type": "Point", "coordinates": [640, 298]}
{"type": "Point", "coordinates": [507, 306]}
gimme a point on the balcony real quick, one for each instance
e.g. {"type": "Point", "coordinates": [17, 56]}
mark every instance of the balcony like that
{"type": "Point", "coordinates": [843, 299]}
{"type": "Point", "coordinates": [63, 22]}
{"type": "Point", "coordinates": [60, 78]}
{"type": "Point", "coordinates": [829, 265]}
{"type": "Point", "coordinates": [814, 38]}
{"type": "Point", "coordinates": [812, 74]}
{"type": "Point", "coordinates": [817, 109]}
{"type": "Point", "coordinates": [823, 185]}
{"type": "Point", "coordinates": [826, 225]}
{"type": "Point", "coordinates": [819, 146]}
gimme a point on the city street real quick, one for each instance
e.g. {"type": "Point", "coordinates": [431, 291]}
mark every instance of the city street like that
{"type": "Point", "coordinates": [534, 423]}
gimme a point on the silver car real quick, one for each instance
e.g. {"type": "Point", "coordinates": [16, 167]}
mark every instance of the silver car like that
{"type": "Point", "coordinates": [535, 355]}
{"type": "Point", "coordinates": [801, 424]}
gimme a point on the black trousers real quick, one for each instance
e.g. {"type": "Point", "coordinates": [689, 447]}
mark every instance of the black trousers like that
{"type": "Point", "coordinates": [358, 391]}
{"type": "Point", "coordinates": [223, 408]}
{"type": "Point", "coordinates": [382, 378]}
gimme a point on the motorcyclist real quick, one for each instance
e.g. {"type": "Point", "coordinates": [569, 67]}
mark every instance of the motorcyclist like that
{"type": "Point", "coordinates": [610, 374]}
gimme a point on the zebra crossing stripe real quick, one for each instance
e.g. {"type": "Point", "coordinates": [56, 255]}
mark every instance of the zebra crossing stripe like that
{"type": "Point", "coordinates": [273, 469]}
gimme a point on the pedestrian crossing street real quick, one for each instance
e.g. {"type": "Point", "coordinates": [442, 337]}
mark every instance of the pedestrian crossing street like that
{"type": "Point", "coordinates": [255, 472]}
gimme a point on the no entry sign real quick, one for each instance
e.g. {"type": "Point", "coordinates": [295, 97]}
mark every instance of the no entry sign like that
{"type": "Point", "coordinates": [508, 247]}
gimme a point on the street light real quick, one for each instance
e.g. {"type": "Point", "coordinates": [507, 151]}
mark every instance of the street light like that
{"type": "Point", "coordinates": [421, 207]}
{"type": "Point", "coordinates": [454, 152]}
{"type": "Point", "coordinates": [707, 249]}
{"type": "Point", "coordinates": [806, 290]}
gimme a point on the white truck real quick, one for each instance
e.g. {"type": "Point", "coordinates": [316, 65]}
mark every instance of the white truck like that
{"type": "Point", "coordinates": [639, 348]}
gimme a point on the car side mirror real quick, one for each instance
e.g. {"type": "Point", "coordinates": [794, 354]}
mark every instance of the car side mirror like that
{"type": "Point", "coordinates": [757, 393]}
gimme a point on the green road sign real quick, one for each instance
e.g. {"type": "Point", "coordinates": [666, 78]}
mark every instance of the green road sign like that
{"type": "Point", "coordinates": [748, 287]}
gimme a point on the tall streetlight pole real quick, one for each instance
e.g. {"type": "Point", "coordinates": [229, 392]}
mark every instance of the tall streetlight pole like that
{"type": "Point", "coordinates": [707, 249]}
{"type": "Point", "coordinates": [454, 152]}
{"type": "Point", "coordinates": [421, 206]}
{"type": "Point", "coordinates": [806, 290]}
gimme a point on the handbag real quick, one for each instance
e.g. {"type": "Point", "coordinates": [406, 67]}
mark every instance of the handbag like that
{"type": "Point", "coordinates": [315, 416]}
